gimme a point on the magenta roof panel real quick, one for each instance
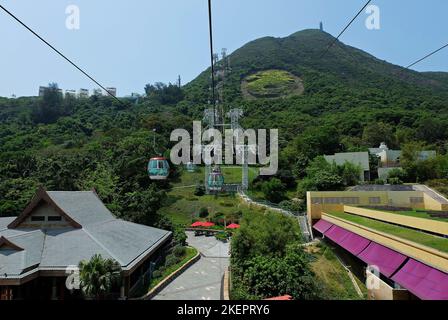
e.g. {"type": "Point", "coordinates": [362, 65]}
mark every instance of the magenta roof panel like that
{"type": "Point", "coordinates": [337, 234]}
{"type": "Point", "coordinates": [354, 243]}
{"type": "Point", "coordinates": [423, 281]}
{"type": "Point", "coordinates": [387, 260]}
{"type": "Point", "coordinates": [322, 226]}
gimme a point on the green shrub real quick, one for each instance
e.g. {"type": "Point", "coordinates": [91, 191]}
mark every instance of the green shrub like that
{"type": "Point", "coordinates": [395, 181]}
{"type": "Point", "coordinates": [222, 236]}
{"type": "Point", "coordinates": [226, 204]}
{"type": "Point", "coordinates": [179, 236]}
{"type": "Point", "coordinates": [157, 274]}
{"type": "Point", "coordinates": [203, 213]}
{"type": "Point", "coordinates": [171, 260]}
{"type": "Point", "coordinates": [274, 190]}
{"type": "Point", "coordinates": [218, 218]}
{"type": "Point", "coordinates": [199, 191]}
{"type": "Point", "coordinates": [179, 251]}
{"type": "Point", "coordinates": [294, 206]}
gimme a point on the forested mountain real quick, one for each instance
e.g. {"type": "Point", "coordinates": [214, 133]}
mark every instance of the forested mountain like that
{"type": "Point", "coordinates": [346, 100]}
{"type": "Point", "coordinates": [351, 100]}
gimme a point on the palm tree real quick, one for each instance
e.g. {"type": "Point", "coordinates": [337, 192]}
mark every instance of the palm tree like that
{"type": "Point", "coordinates": [98, 276]}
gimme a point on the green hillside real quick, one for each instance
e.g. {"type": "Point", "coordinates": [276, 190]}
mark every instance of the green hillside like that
{"type": "Point", "coordinates": [350, 101]}
{"type": "Point", "coordinates": [301, 54]}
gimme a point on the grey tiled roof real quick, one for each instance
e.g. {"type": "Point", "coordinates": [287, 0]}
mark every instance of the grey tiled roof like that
{"type": "Point", "coordinates": [124, 240]}
{"type": "Point", "coordinates": [5, 221]}
{"type": "Point", "coordinates": [68, 247]}
{"type": "Point", "coordinates": [13, 262]}
{"type": "Point", "coordinates": [82, 206]}
{"type": "Point", "coordinates": [101, 233]}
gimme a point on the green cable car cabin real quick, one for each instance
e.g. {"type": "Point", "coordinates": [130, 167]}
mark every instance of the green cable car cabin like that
{"type": "Point", "coordinates": [158, 168]}
{"type": "Point", "coordinates": [215, 180]}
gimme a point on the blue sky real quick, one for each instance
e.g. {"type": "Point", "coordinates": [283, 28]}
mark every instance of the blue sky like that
{"type": "Point", "coordinates": [127, 44]}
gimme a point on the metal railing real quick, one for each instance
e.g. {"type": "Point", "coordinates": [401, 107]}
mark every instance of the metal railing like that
{"type": "Point", "coordinates": [300, 216]}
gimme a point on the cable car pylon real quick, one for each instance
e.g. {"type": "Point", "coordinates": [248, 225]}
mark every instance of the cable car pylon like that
{"type": "Point", "coordinates": [215, 118]}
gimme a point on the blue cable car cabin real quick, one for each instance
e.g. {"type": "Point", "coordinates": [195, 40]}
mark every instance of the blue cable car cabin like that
{"type": "Point", "coordinates": [158, 168]}
{"type": "Point", "coordinates": [215, 180]}
{"type": "Point", "coordinates": [191, 167]}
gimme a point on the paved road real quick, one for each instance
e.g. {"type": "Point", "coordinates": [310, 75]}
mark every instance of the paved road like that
{"type": "Point", "coordinates": [203, 280]}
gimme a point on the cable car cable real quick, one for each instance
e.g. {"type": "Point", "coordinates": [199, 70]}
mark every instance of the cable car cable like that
{"type": "Point", "coordinates": [345, 29]}
{"type": "Point", "coordinates": [210, 25]}
{"type": "Point", "coordinates": [427, 56]}
{"type": "Point", "coordinates": [60, 53]}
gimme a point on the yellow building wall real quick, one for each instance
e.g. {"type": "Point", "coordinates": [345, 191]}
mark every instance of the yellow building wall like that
{"type": "Point", "coordinates": [432, 204]}
{"type": "Point", "coordinates": [403, 199]}
{"type": "Point", "coordinates": [377, 289]}
{"type": "Point", "coordinates": [387, 198]}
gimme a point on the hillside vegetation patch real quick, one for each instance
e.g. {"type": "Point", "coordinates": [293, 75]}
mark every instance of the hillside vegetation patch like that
{"type": "Point", "coordinates": [271, 84]}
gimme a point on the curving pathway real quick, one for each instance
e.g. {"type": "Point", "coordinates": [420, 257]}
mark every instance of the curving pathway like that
{"type": "Point", "coordinates": [203, 280]}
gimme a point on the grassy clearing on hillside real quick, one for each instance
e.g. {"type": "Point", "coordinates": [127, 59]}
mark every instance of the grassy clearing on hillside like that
{"type": "Point", "coordinates": [232, 174]}
{"type": "Point", "coordinates": [272, 84]}
{"type": "Point", "coordinates": [422, 238]}
{"type": "Point", "coordinates": [182, 205]}
{"type": "Point", "coordinates": [338, 285]}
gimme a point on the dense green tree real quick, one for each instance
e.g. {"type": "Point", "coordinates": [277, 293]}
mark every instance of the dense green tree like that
{"type": "Point", "coordinates": [267, 277]}
{"type": "Point", "coordinates": [267, 259]}
{"type": "Point", "coordinates": [350, 173]}
{"type": "Point", "coordinates": [142, 206]}
{"type": "Point", "coordinates": [164, 94]}
{"type": "Point", "coordinates": [274, 190]}
{"type": "Point", "coordinates": [52, 105]}
{"type": "Point", "coordinates": [377, 132]}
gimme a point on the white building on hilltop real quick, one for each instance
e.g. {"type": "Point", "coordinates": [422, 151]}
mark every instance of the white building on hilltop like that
{"type": "Point", "coordinates": [391, 159]}
{"type": "Point", "coordinates": [112, 91]}
{"type": "Point", "coordinates": [83, 93]}
{"type": "Point", "coordinates": [70, 93]}
{"type": "Point", "coordinates": [97, 92]}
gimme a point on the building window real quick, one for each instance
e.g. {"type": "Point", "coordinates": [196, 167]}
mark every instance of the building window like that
{"type": "Point", "coordinates": [416, 200]}
{"type": "Point", "coordinates": [351, 200]}
{"type": "Point", "coordinates": [343, 200]}
{"type": "Point", "coordinates": [331, 200]}
{"type": "Point", "coordinates": [374, 200]}
{"type": "Point", "coordinates": [316, 200]}
{"type": "Point", "coordinates": [37, 218]}
{"type": "Point", "coordinates": [55, 218]}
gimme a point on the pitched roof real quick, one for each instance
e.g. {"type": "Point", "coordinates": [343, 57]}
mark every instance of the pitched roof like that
{"type": "Point", "coordinates": [42, 196]}
{"type": "Point", "coordinates": [99, 232]}
{"type": "Point", "coordinates": [67, 247]}
{"type": "Point", "coordinates": [82, 206]}
{"type": "Point", "coordinates": [22, 252]}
